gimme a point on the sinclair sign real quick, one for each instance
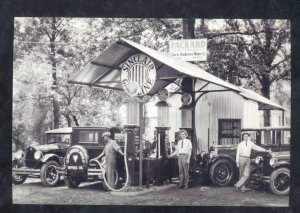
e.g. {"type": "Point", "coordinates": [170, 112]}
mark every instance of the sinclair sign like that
{"type": "Point", "coordinates": [189, 49]}
{"type": "Point", "coordinates": [138, 75]}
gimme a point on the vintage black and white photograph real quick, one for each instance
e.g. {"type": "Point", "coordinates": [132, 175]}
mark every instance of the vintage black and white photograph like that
{"type": "Point", "coordinates": [151, 111]}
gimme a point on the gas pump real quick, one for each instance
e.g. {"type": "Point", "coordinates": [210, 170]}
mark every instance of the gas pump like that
{"type": "Point", "coordinates": [132, 133]}
{"type": "Point", "coordinates": [162, 140]}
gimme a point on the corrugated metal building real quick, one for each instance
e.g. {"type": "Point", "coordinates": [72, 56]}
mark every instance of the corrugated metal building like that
{"type": "Point", "coordinates": [221, 115]}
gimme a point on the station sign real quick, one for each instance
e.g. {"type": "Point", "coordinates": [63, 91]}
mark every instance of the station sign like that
{"type": "Point", "coordinates": [189, 49]}
{"type": "Point", "coordinates": [138, 75]}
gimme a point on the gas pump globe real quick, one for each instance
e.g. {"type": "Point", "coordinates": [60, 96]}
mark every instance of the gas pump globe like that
{"type": "Point", "coordinates": [162, 113]}
{"type": "Point", "coordinates": [163, 108]}
{"type": "Point", "coordinates": [162, 123]}
{"type": "Point", "coordinates": [187, 113]}
{"type": "Point", "coordinates": [133, 111]}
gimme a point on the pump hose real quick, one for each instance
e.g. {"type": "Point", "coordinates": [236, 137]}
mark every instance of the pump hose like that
{"type": "Point", "coordinates": [126, 169]}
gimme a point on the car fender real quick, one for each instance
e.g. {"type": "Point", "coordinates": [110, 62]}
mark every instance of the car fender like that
{"type": "Point", "coordinates": [46, 157]}
{"type": "Point", "coordinates": [281, 164]}
{"type": "Point", "coordinates": [219, 157]}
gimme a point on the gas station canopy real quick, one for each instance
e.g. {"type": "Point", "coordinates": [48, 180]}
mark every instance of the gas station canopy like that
{"type": "Point", "coordinates": [105, 71]}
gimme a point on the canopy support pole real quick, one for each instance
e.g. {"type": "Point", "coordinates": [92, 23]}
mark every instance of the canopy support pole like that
{"type": "Point", "coordinates": [141, 144]}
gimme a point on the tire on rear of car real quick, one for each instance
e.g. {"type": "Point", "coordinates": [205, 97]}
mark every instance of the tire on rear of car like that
{"type": "Point", "coordinates": [49, 175]}
{"type": "Point", "coordinates": [222, 172]}
{"type": "Point", "coordinates": [71, 181]}
{"type": "Point", "coordinates": [280, 181]}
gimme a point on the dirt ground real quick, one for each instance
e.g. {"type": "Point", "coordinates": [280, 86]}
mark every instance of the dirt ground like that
{"type": "Point", "coordinates": [33, 192]}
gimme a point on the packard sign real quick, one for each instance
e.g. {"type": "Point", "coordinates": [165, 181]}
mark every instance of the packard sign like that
{"type": "Point", "coordinates": [189, 49]}
{"type": "Point", "coordinates": [138, 75]}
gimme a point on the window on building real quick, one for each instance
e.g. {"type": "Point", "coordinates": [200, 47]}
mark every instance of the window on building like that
{"type": "Point", "coordinates": [229, 131]}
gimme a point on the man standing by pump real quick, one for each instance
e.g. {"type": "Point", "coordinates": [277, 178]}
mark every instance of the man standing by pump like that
{"type": "Point", "coordinates": [110, 150]}
{"type": "Point", "coordinates": [184, 150]}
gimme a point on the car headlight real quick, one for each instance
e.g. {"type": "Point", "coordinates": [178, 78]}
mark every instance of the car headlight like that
{"type": "Point", "coordinates": [212, 154]}
{"type": "Point", "coordinates": [273, 161]}
{"type": "Point", "coordinates": [38, 155]}
{"type": "Point", "coordinates": [258, 160]}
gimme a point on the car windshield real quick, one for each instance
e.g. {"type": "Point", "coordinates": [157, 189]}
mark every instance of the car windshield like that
{"type": "Point", "coordinates": [58, 138]}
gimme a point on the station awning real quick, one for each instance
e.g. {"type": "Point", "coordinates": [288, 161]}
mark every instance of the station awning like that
{"type": "Point", "coordinates": [105, 70]}
{"type": "Point", "coordinates": [263, 103]}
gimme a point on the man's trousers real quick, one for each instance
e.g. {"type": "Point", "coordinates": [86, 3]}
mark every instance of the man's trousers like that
{"type": "Point", "coordinates": [244, 167]}
{"type": "Point", "coordinates": [183, 170]}
{"type": "Point", "coordinates": [110, 171]}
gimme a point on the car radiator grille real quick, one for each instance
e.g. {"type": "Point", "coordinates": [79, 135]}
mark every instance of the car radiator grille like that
{"type": "Point", "coordinates": [29, 158]}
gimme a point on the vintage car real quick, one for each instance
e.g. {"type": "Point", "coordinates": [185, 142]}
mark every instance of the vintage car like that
{"type": "Point", "coordinates": [81, 163]}
{"type": "Point", "coordinates": [221, 164]}
{"type": "Point", "coordinates": [273, 169]}
{"type": "Point", "coordinates": [157, 167]}
{"type": "Point", "coordinates": [42, 161]}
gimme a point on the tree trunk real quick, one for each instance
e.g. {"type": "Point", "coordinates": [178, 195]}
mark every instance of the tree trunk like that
{"type": "Point", "coordinates": [265, 90]}
{"type": "Point", "coordinates": [56, 115]}
{"type": "Point", "coordinates": [188, 25]}
{"type": "Point", "coordinates": [67, 116]}
{"type": "Point", "coordinates": [75, 120]}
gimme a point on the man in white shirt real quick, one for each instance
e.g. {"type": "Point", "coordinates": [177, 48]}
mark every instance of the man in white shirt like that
{"type": "Point", "coordinates": [243, 159]}
{"type": "Point", "coordinates": [184, 150]}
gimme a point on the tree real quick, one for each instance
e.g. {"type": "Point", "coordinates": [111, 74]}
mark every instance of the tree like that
{"type": "Point", "coordinates": [268, 56]}
{"type": "Point", "coordinates": [253, 53]}
{"type": "Point", "coordinates": [48, 32]}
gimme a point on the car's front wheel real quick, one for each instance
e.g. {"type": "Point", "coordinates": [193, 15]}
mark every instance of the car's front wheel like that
{"type": "Point", "coordinates": [280, 181]}
{"type": "Point", "coordinates": [17, 179]}
{"type": "Point", "coordinates": [49, 174]}
{"type": "Point", "coordinates": [221, 173]}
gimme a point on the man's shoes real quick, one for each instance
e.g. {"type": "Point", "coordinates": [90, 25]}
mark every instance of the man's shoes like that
{"type": "Point", "coordinates": [185, 187]}
{"type": "Point", "coordinates": [236, 188]}
{"type": "Point", "coordinates": [179, 186]}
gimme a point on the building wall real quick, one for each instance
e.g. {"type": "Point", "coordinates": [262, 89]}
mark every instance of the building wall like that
{"type": "Point", "coordinates": [276, 118]}
{"type": "Point", "coordinates": [212, 107]}
{"type": "Point", "coordinates": [251, 114]}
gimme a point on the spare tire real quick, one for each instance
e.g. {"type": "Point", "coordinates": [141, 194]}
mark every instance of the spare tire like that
{"type": "Point", "coordinates": [76, 162]}
{"type": "Point", "coordinates": [71, 182]}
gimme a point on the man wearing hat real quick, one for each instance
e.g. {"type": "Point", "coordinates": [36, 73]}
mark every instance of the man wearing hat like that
{"type": "Point", "coordinates": [243, 159]}
{"type": "Point", "coordinates": [110, 150]}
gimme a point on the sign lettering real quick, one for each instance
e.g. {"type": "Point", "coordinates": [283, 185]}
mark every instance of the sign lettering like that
{"type": "Point", "coordinates": [189, 49]}
{"type": "Point", "coordinates": [138, 75]}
